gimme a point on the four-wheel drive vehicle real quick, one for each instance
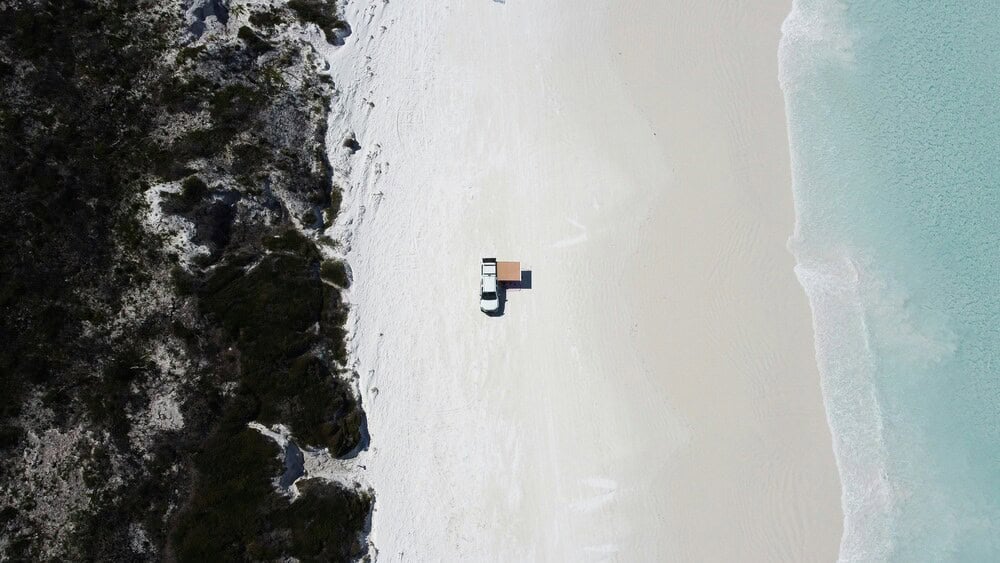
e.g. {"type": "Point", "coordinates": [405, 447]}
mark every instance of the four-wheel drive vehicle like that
{"type": "Point", "coordinates": [489, 299]}
{"type": "Point", "coordinates": [494, 277]}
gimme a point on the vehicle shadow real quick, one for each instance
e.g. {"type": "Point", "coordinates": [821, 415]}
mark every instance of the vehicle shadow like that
{"type": "Point", "coordinates": [525, 282]}
{"type": "Point", "coordinates": [503, 287]}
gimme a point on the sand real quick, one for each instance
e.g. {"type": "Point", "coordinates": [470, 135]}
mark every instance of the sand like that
{"type": "Point", "coordinates": [653, 394]}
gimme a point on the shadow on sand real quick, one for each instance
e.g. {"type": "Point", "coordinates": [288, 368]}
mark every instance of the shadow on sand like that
{"type": "Point", "coordinates": [504, 287]}
{"type": "Point", "coordinates": [525, 282]}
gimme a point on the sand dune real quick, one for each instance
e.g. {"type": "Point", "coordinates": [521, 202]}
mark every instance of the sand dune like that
{"type": "Point", "coordinates": [653, 395]}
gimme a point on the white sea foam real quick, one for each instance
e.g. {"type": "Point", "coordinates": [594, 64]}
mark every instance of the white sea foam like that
{"type": "Point", "coordinates": [833, 282]}
{"type": "Point", "coordinates": [860, 316]}
{"type": "Point", "coordinates": [813, 36]}
{"type": "Point", "coordinates": [810, 36]}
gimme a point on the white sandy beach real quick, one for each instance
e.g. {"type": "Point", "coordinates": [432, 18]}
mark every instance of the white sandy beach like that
{"type": "Point", "coordinates": [654, 394]}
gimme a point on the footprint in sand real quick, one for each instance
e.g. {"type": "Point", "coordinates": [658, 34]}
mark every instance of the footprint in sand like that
{"type": "Point", "coordinates": [604, 492]}
{"type": "Point", "coordinates": [575, 239]}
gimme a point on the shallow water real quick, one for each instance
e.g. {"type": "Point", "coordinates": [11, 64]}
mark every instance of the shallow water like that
{"type": "Point", "coordinates": [894, 120]}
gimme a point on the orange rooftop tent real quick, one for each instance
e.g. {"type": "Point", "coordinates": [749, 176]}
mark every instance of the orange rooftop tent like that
{"type": "Point", "coordinates": [509, 271]}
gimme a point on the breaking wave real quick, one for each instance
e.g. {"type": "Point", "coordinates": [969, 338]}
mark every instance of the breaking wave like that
{"type": "Point", "coordinates": [895, 177]}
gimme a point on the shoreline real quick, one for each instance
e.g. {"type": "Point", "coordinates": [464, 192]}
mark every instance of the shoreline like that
{"type": "Point", "coordinates": [656, 388]}
{"type": "Point", "coordinates": [743, 218]}
{"type": "Point", "coordinates": [895, 247]}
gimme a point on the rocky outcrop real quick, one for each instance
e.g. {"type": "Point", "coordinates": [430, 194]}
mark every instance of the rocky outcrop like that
{"type": "Point", "coordinates": [202, 14]}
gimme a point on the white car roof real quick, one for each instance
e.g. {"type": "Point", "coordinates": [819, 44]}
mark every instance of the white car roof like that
{"type": "Point", "coordinates": [489, 284]}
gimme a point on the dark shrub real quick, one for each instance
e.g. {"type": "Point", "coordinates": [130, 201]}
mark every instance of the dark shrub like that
{"type": "Point", "coordinates": [335, 272]}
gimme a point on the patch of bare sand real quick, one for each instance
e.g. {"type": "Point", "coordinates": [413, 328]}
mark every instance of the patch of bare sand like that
{"type": "Point", "coordinates": [653, 395]}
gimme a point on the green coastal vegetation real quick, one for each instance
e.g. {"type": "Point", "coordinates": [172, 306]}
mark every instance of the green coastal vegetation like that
{"type": "Point", "coordinates": [103, 102]}
{"type": "Point", "coordinates": [323, 14]}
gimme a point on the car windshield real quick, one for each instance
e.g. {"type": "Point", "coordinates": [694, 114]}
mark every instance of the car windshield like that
{"type": "Point", "coordinates": [489, 295]}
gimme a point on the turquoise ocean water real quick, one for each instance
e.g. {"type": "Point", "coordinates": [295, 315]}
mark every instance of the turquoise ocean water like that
{"type": "Point", "coordinates": [894, 122]}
